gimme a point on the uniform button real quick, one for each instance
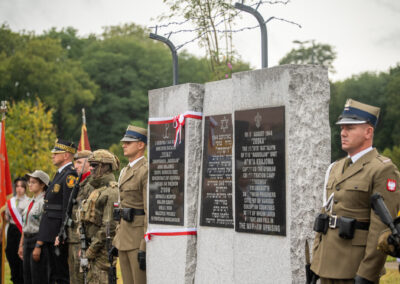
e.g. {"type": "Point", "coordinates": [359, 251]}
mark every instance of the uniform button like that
{"type": "Point", "coordinates": [337, 187]}
{"type": "Point", "coordinates": [336, 201]}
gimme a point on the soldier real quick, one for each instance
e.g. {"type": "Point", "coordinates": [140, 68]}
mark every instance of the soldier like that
{"type": "Point", "coordinates": [345, 246]}
{"type": "Point", "coordinates": [56, 201]}
{"type": "Point", "coordinates": [129, 238]}
{"type": "Point", "coordinates": [96, 213]}
{"type": "Point", "coordinates": [82, 166]}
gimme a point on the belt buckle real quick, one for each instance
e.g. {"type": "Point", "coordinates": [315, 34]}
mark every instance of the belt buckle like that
{"type": "Point", "coordinates": [332, 221]}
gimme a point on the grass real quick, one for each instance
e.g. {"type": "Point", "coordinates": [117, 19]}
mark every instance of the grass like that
{"type": "Point", "coordinates": [7, 273]}
{"type": "Point", "coordinates": [392, 276]}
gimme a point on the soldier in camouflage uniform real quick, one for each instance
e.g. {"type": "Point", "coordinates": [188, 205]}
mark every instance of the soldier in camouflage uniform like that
{"type": "Point", "coordinates": [74, 245]}
{"type": "Point", "coordinates": [97, 212]}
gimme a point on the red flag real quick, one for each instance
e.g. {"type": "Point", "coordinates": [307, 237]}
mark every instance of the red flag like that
{"type": "Point", "coordinates": [6, 190]}
{"type": "Point", "coordinates": [84, 141]}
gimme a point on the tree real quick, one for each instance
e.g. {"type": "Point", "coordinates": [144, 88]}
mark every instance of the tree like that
{"type": "Point", "coordinates": [393, 154]}
{"type": "Point", "coordinates": [40, 68]}
{"type": "Point", "coordinates": [310, 52]}
{"type": "Point", "coordinates": [207, 17]}
{"type": "Point", "coordinates": [30, 137]}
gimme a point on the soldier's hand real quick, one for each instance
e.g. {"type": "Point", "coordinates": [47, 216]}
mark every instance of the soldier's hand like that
{"type": "Point", "coordinates": [142, 260]}
{"type": "Point", "coordinates": [57, 241]}
{"type": "Point", "coordinates": [111, 253]}
{"type": "Point", "coordinates": [387, 244]}
{"type": "Point", "coordinates": [84, 263]}
{"type": "Point", "coordinates": [36, 254]}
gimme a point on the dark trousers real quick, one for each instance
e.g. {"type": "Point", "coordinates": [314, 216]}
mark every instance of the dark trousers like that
{"type": "Point", "coordinates": [58, 264]}
{"type": "Point", "coordinates": [13, 238]}
{"type": "Point", "coordinates": [34, 272]}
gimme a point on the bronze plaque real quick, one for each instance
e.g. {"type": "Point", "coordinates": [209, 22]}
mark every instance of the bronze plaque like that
{"type": "Point", "coordinates": [216, 193]}
{"type": "Point", "coordinates": [260, 186]}
{"type": "Point", "coordinates": [166, 181]}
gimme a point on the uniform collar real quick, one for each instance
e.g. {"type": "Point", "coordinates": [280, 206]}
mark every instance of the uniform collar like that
{"type": "Point", "coordinates": [63, 167]}
{"type": "Point", "coordinates": [131, 164]}
{"type": "Point", "coordinates": [360, 154]}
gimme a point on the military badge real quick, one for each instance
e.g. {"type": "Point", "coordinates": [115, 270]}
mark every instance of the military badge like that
{"type": "Point", "coordinates": [391, 185]}
{"type": "Point", "coordinates": [70, 181]}
{"type": "Point", "coordinates": [56, 188]}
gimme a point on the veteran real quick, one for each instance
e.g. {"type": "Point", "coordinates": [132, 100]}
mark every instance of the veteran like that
{"type": "Point", "coordinates": [345, 245]}
{"type": "Point", "coordinates": [129, 238]}
{"type": "Point", "coordinates": [55, 206]}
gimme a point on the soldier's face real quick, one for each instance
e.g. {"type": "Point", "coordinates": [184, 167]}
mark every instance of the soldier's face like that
{"type": "Point", "coordinates": [79, 163]}
{"type": "Point", "coordinates": [58, 159]}
{"type": "Point", "coordinates": [356, 137]}
{"type": "Point", "coordinates": [133, 149]}
{"type": "Point", "coordinates": [35, 185]}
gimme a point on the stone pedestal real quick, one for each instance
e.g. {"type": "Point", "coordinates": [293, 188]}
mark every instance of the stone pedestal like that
{"type": "Point", "coordinates": [227, 256]}
{"type": "Point", "coordinates": [172, 259]}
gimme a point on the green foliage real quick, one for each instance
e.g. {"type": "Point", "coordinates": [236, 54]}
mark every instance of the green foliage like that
{"type": "Point", "coordinates": [393, 154]}
{"type": "Point", "coordinates": [30, 136]}
{"type": "Point", "coordinates": [40, 68]}
{"type": "Point", "coordinates": [310, 52]}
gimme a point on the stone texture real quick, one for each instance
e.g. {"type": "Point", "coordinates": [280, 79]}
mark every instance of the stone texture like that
{"type": "Point", "coordinates": [226, 256]}
{"type": "Point", "coordinates": [173, 259]}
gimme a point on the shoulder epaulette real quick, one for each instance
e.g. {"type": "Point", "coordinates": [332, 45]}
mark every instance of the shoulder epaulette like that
{"type": "Point", "coordinates": [383, 159]}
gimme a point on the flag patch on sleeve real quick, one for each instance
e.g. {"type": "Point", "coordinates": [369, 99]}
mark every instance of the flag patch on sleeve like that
{"type": "Point", "coordinates": [391, 185]}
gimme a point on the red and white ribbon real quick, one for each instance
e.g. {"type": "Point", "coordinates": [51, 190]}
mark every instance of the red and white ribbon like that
{"type": "Point", "coordinates": [170, 232]}
{"type": "Point", "coordinates": [178, 122]}
{"type": "Point", "coordinates": [16, 216]}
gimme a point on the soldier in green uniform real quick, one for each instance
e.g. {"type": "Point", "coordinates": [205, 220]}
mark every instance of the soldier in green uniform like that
{"type": "Point", "coordinates": [345, 246]}
{"type": "Point", "coordinates": [129, 238]}
{"type": "Point", "coordinates": [96, 213]}
{"type": "Point", "coordinates": [82, 167]}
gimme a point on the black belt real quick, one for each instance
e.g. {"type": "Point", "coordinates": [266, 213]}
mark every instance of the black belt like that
{"type": "Point", "coordinates": [30, 235]}
{"type": "Point", "coordinates": [137, 211]}
{"type": "Point", "coordinates": [334, 222]}
{"type": "Point", "coordinates": [55, 207]}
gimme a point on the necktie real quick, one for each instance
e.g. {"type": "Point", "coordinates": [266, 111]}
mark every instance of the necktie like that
{"type": "Point", "coordinates": [347, 163]}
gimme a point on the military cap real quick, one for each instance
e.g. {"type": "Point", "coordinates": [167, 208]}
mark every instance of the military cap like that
{"type": "Point", "coordinates": [82, 154]}
{"type": "Point", "coordinates": [41, 175]}
{"type": "Point", "coordinates": [135, 133]}
{"type": "Point", "coordinates": [62, 146]}
{"type": "Point", "coordinates": [358, 113]}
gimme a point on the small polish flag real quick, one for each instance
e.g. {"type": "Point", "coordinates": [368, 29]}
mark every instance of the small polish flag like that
{"type": "Point", "coordinates": [391, 185]}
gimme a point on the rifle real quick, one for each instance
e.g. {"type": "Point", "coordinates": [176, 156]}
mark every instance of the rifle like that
{"type": "Point", "coordinates": [84, 263]}
{"type": "Point", "coordinates": [112, 272]}
{"type": "Point", "coordinates": [382, 211]}
{"type": "Point", "coordinates": [62, 235]}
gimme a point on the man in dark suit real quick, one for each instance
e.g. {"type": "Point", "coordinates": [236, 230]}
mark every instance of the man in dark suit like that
{"type": "Point", "coordinates": [56, 201]}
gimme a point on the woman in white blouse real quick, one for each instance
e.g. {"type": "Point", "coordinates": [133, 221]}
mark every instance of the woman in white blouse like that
{"type": "Point", "coordinates": [35, 267]}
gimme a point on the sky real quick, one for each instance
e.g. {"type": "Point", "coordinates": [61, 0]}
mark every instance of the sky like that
{"type": "Point", "coordinates": [364, 33]}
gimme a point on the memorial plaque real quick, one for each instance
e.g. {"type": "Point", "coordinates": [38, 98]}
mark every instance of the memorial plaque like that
{"type": "Point", "coordinates": [260, 171]}
{"type": "Point", "coordinates": [216, 194]}
{"type": "Point", "coordinates": [167, 167]}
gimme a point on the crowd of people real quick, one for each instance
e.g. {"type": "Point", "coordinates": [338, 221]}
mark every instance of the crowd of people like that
{"type": "Point", "coordinates": [83, 218]}
{"type": "Point", "coordinates": [74, 225]}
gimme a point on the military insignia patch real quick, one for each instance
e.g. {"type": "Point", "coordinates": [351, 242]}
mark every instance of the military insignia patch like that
{"type": "Point", "coordinates": [391, 185]}
{"type": "Point", "coordinates": [70, 181]}
{"type": "Point", "coordinates": [56, 188]}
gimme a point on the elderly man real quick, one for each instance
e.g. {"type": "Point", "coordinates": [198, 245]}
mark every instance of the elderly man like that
{"type": "Point", "coordinates": [345, 246]}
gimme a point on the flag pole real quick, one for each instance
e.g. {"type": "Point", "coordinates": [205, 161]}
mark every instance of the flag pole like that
{"type": "Point", "coordinates": [3, 110]}
{"type": "Point", "coordinates": [83, 116]}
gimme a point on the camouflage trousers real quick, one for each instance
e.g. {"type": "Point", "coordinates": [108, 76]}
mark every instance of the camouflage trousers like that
{"type": "Point", "coordinates": [96, 274]}
{"type": "Point", "coordinates": [75, 275]}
